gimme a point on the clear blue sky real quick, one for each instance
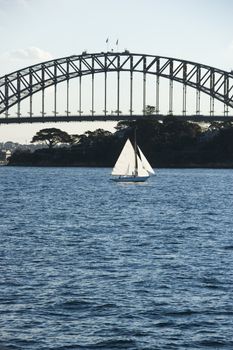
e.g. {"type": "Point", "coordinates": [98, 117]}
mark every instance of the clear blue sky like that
{"type": "Point", "coordinates": [36, 30]}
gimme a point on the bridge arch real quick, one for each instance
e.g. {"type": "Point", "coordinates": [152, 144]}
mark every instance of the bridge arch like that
{"type": "Point", "coordinates": [24, 83]}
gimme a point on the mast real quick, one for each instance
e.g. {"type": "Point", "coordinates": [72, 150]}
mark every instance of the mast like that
{"type": "Point", "coordinates": [135, 152]}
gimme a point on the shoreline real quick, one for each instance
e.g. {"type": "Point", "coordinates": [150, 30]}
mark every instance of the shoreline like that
{"type": "Point", "coordinates": [164, 166]}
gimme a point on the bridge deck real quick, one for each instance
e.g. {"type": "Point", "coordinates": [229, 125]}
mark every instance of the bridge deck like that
{"type": "Point", "coordinates": [113, 118]}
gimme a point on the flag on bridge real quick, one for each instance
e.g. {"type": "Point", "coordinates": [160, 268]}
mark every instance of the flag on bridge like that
{"type": "Point", "coordinates": [106, 40]}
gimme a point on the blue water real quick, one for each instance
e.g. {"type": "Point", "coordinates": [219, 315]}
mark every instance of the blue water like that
{"type": "Point", "coordinates": [86, 263]}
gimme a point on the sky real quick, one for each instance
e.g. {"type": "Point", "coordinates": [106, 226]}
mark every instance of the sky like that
{"type": "Point", "coordinates": [38, 30]}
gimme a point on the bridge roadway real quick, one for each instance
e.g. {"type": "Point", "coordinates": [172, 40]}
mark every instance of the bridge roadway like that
{"type": "Point", "coordinates": [114, 118]}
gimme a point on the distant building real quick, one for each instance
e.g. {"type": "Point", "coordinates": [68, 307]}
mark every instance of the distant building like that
{"type": "Point", "coordinates": [4, 155]}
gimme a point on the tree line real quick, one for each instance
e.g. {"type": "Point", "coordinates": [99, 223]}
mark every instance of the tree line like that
{"type": "Point", "coordinates": [170, 143]}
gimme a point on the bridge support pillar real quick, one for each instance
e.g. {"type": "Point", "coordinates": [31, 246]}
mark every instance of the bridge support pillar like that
{"type": "Point", "coordinates": [105, 93]}
{"type": "Point", "coordinates": [184, 99]}
{"type": "Point", "coordinates": [144, 95]}
{"type": "Point", "coordinates": [157, 96]}
{"type": "Point", "coordinates": [170, 97]}
{"type": "Point", "coordinates": [198, 102]}
{"type": "Point", "coordinates": [131, 93]}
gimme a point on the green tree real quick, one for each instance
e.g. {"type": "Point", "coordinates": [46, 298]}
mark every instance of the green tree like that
{"type": "Point", "coordinates": [179, 133]}
{"type": "Point", "coordinates": [75, 139]}
{"type": "Point", "coordinates": [149, 110]}
{"type": "Point", "coordinates": [51, 137]}
{"type": "Point", "coordinates": [217, 126]}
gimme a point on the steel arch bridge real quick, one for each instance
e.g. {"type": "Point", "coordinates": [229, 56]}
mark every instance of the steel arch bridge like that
{"type": "Point", "coordinates": [24, 83]}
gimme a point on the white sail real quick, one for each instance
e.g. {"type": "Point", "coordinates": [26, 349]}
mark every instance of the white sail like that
{"type": "Point", "coordinates": [141, 169]}
{"type": "Point", "coordinates": [131, 166]}
{"type": "Point", "coordinates": [146, 165]}
{"type": "Point", "coordinates": [125, 164]}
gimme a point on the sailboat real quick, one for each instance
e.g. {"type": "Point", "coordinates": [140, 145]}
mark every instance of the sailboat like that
{"type": "Point", "coordinates": [131, 165]}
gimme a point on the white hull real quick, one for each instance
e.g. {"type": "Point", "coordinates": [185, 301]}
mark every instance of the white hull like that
{"type": "Point", "coordinates": [129, 178]}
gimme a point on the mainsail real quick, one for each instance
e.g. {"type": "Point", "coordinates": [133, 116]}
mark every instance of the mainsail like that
{"type": "Point", "coordinates": [126, 162]}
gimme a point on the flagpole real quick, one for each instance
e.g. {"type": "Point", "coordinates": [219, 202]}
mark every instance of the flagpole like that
{"type": "Point", "coordinates": [107, 46]}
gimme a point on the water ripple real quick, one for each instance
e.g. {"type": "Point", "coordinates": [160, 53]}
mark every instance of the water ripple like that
{"type": "Point", "coordinates": [90, 264]}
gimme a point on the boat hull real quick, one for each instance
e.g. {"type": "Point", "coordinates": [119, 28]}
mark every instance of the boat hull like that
{"type": "Point", "coordinates": [129, 178]}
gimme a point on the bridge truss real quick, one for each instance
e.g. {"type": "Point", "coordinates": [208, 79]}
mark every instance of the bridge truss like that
{"type": "Point", "coordinates": [25, 83]}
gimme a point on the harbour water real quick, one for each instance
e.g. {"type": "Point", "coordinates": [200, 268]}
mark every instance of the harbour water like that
{"type": "Point", "coordinates": [86, 263]}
